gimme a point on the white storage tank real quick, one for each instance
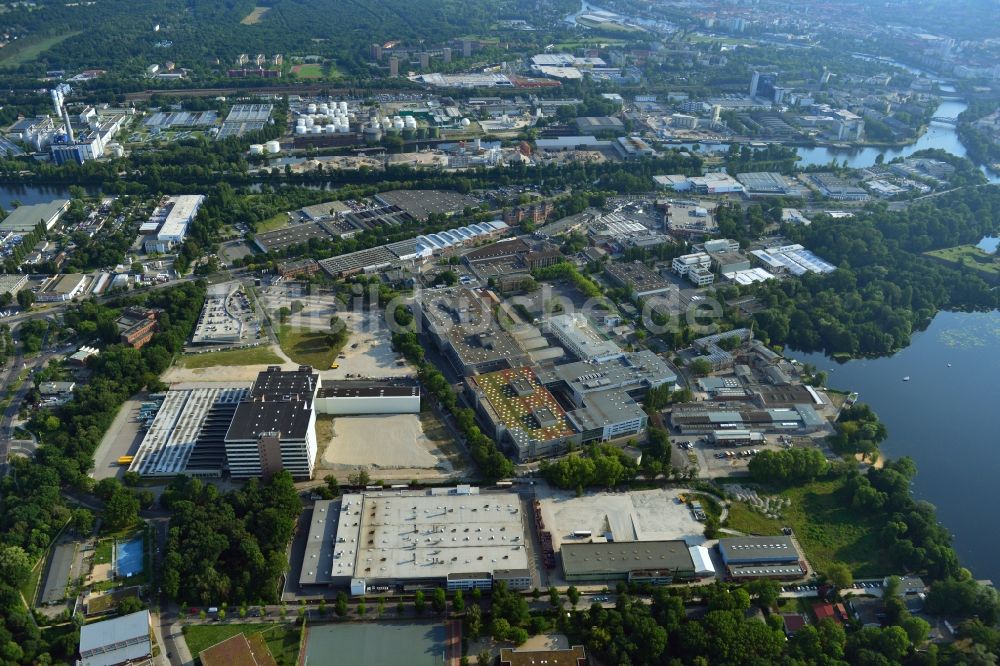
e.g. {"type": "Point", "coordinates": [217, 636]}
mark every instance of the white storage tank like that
{"type": "Point", "coordinates": [301, 129]}
{"type": "Point", "coordinates": [386, 123]}
{"type": "Point", "coordinates": [331, 128]}
{"type": "Point", "coordinates": [344, 128]}
{"type": "Point", "coordinates": [318, 129]}
{"type": "Point", "coordinates": [311, 108]}
{"type": "Point", "coordinates": [256, 149]}
{"type": "Point", "coordinates": [397, 123]}
{"type": "Point", "coordinates": [343, 106]}
{"type": "Point", "coordinates": [465, 122]}
{"type": "Point", "coordinates": [272, 147]}
{"type": "Point", "coordinates": [309, 121]}
{"type": "Point", "coordinates": [117, 150]}
{"type": "Point", "coordinates": [324, 108]}
{"type": "Point", "coordinates": [301, 120]}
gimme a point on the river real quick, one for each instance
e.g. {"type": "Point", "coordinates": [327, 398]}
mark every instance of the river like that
{"type": "Point", "coordinates": [938, 135]}
{"type": "Point", "coordinates": [944, 419]}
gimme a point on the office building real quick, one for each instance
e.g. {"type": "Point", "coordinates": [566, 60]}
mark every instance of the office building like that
{"type": "Point", "coordinates": [137, 326]}
{"type": "Point", "coordinates": [683, 264]}
{"type": "Point", "coordinates": [716, 183]}
{"type": "Point", "coordinates": [461, 325]}
{"type": "Point", "coordinates": [633, 372]}
{"type": "Point", "coordinates": [521, 414]}
{"type": "Point", "coordinates": [639, 279]}
{"type": "Point", "coordinates": [274, 428]}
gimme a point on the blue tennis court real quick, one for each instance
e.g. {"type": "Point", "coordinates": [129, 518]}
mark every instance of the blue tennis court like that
{"type": "Point", "coordinates": [128, 558]}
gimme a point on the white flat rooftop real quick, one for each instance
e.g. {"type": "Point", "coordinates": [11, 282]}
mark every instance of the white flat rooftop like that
{"type": "Point", "coordinates": [414, 535]}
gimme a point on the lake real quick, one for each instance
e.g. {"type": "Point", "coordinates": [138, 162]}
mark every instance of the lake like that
{"type": "Point", "coordinates": [944, 419]}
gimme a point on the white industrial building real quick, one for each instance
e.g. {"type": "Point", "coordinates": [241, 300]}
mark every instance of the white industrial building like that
{"type": "Point", "coordinates": [25, 219]}
{"type": "Point", "coordinates": [122, 640]}
{"type": "Point", "coordinates": [453, 537]}
{"type": "Point", "coordinates": [368, 397]}
{"type": "Point", "coordinates": [575, 332]}
{"type": "Point", "coordinates": [169, 223]}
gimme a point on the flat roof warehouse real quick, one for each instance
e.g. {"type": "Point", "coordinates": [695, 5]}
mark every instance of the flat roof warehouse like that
{"type": "Point", "coordinates": [414, 536]}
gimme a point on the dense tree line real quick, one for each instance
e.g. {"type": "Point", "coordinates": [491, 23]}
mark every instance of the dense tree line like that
{"type": "Point", "coordinates": [796, 465]}
{"type": "Point", "coordinates": [228, 547]}
{"type": "Point", "coordinates": [884, 288]}
{"type": "Point", "coordinates": [31, 507]}
{"type": "Point", "coordinates": [980, 146]}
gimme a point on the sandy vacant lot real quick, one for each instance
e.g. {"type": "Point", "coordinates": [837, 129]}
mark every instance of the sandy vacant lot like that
{"type": "Point", "coordinates": [177, 374]}
{"type": "Point", "coordinates": [637, 516]}
{"type": "Point", "coordinates": [368, 352]}
{"type": "Point", "coordinates": [382, 442]}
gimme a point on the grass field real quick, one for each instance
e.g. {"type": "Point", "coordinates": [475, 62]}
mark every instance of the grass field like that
{"type": "Point", "coordinates": [307, 347]}
{"type": "Point", "coordinates": [29, 50]}
{"type": "Point", "coordinates": [970, 256]}
{"type": "Point", "coordinates": [102, 554]}
{"type": "Point", "coordinates": [279, 221]}
{"type": "Point", "coordinates": [827, 528]}
{"type": "Point", "coordinates": [310, 70]}
{"type": "Point", "coordinates": [254, 17]}
{"type": "Point", "coordinates": [253, 356]}
{"type": "Point", "coordinates": [29, 589]}
{"type": "Point", "coordinates": [281, 639]}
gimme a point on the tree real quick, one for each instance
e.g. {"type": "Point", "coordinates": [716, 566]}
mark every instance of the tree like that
{"type": "Point", "coordinates": [484, 658]}
{"type": "Point", "coordinates": [362, 608]}
{"type": "Point", "coordinates": [766, 592]}
{"type": "Point", "coordinates": [361, 478]}
{"type": "Point", "coordinates": [332, 485]}
{"type": "Point", "coordinates": [122, 510]}
{"type": "Point", "coordinates": [25, 298]}
{"type": "Point", "coordinates": [840, 575]}
{"type": "Point", "coordinates": [418, 602]}
{"type": "Point", "coordinates": [554, 600]}
{"type": "Point", "coordinates": [573, 595]}
{"type": "Point", "coordinates": [700, 367]}
{"type": "Point", "coordinates": [474, 621]}
{"type": "Point", "coordinates": [340, 606]}
{"type": "Point", "coordinates": [439, 600]}
{"type": "Point", "coordinates": [83, 521]}
{"type": "Point", "coordinates": [15, 565]}
{"type": "Point", "coordinates": [221, 615]}
{"type": "Point", "coordinates": [458, 602]}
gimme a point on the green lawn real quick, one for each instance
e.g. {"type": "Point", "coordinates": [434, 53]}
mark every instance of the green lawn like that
{"type": "Point", "coordinates": [281, 639]}
{"type": "Point", "coordinates": [252, 356]}
{"type": "Point", "coordinates": [971, 257]}
{"type": "Point", "coordinates": [826, 527]}
{"type": "Point", "coordinates": [312, 70]}
{"type": "Point", "coordinates": [307, 347]}
{"type": "Point", "coordinates": [279, 221]}
{"type": "Point", "coordinates": [22, 52]}
{"type": "Point", "coordinates": [102, 554]}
